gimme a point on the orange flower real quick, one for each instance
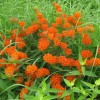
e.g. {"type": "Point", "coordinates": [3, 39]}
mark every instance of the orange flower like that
{"type": "Point", "coordinates": [59, 87]}
{"type": "Point", "coordinates": [30, 70]}
{"type": "Point", "coordinates": [55, 79]}
{"type": "Point", "coordinates": [19, 80]}
{"type": "Point", "coordinates": [72, 62]}
{"type": "Point", "coordinates": [67, 97]}
{"type": "Point", "coordinates": [86, 54]}
{"type": "Point", "coordinates": [70, 78]}
{"type": "Point", "coordinates": [56, 42]}
{"type": "Point", "coordinates": [93, 62]}
{"type": "Point", "coordinates": [68, 51]}
{"type": "Point", "coordinates": [80, 30]}
{"type": "Point", "coordinates": [28, 83]}
{"type": "Point", "coordinates": [42, 72]}
{"type": "Point", "coordinates": [66, 25]}
{"type": "Point", "coordinates": [57, 7]}
{"type": "Point", "coordinates": [69, 33]}
{"type": "Point", "coordinates": [1, 62]}
{"type": "Point", "coordinates": [9, 71]}
{"type": "Point", "coordinates": [31, 29]}
{"type": "Point", "coordinates": [63, 45]}
{"type": "Point", "coordinates": [22, 92]}
{"type": "Point", "coordinates": [21, 23]}
{"type": "Point", "coordinates": [18, 55]}
{"type": "Point", "coordinates": [44, 26]}
{"type": "Point", "coordinates": [7, 42]}
{"type": "Point", "coordinates": [86, 39]}
{"type": "Point", "coordinates": [43, 44]}
{"type": "Point", "coordinates": [77, 15]}
{"type": "Point", "coordinates": [99, 50]}
{"type": "Point", "coordinates": [10, 50]}
{"type": "Point", "coordinates": [59, 20]}
{"type": "Point", "coordinates": [64, 61]}
{"type": "Point", "coordinates": [49, 58]}
{"type": "Point", "coordinates": [78, 66]}
{"type": "Point", "coordinates": [20, 42]}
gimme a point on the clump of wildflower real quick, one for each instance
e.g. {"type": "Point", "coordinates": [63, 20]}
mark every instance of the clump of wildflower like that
{"type": "Point", "coordinates": [49, 58]}
{"type": "Point", "coordinates": [42, 72]}
{"type": "Point", "coordinates": [30, 70]}
{"type": "Point", "coordinates": [22, 92]}
{"type": "Point", "coordinates": [86, 54]}
{"type": "Point", "coordinates": [43, 44]}
{"type": "Point", "coordinates": [86, 39]}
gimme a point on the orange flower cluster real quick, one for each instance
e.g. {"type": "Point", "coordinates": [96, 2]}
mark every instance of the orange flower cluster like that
{"type": "Point", "coordinates": [2, 61]}
{"type": "Point", "coordinates": [70, 78]}
{"type": "Point", "coordinates": [86, 39]}
{"type": "Point", "coordinates": [30, 70]}
{"type": "Point", "coordinates": [22, 92]}
{"type": "Point", "coordinates": [57, 7]}
{"type": "Point", "coordinates": [93, 62]}
{"type": "Point", "coordinates": [19, 80]}
{"type": "Point", "coordinates": [43, 44]}
{"type": "Point", "coordinates": [49, 58]}
{"type": "Point", "coordinates": [42, 72]}
{"type": "Point", "coordinates": [55, 81]}
{"type": "Point", "coordinates": [20, 43]}
{"type": "Point", "coordinates": [86, 54]}
{"type": "Point", "coordinates": [9, 71]}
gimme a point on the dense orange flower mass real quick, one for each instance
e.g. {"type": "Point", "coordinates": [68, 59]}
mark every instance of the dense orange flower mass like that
{"type": "Point", "coordinates": [20, 43]}
{"type": "Point", "coordinates": [49, 58]}
{"type": "Point", "coordinates": [77, 15]}
{"type": "Point", "coordinates": [19, 80]}
{"type": "Point", "coordinates": [9, 71]}
{"type": "Point", "coordinates": [22, 92]}
{"type": "Point", "coordinates": [86, 54]}
{"type": "Point", "coordinates": [93, 62]}
{"type": "Point", "coordinates": [70, 78]}
{"type": "Point", "coordinates": [42, 72]}
{"type": "Point", "coordinates": [18, 55]}
{"type": "Point", "coordinates": [57, 7]}
{"type": "Point", "coordinates": [2, 61]}
{"type": "Point", "coordinates": [99, 50]}
{"type": "Point", "coordinates": [31, 29]}
{"type": "Point", "coordinates": [68, 51]}
{"type": "Point", "coordinates": [86, 39]}
{"type": "Point", "coordinates": [55, 79]}
{"type": "Point", "coordinates": [10, 50]}
{"type": "Point", "coordinates": [30, 70]}
{"type": "Point", "coordinates": [64, 61]}
{"type": "Point", "coordinates": [43, 44]}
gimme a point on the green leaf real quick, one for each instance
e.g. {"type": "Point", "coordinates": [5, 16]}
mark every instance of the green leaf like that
{"type": "Point", "coordinates": [54, 90]}
{"type": "Point", "coordinates": [97, 82]}
{"type": "Point", "coordinates": [96, 91]}
{"type": "Point", "coordinates": [67, 82]}
{"type": "Point", "coordinates": [88, 84]}
{"type": "Point", "coordinates": [82, 90]}
{"type": "Point", "coordinates": [43, 85]}
{"type": "Point", "coordinates": [3, 84]}
{"type": "Point", "coordinates": [81, 98]}
{"type": "Point", "coordinates": [66, 93]}
{"type": "Point", "coordinates": [76, 89]}
{"type": "Point", "coordinates": [83, 70]}
{"type": "Point", "coordinates": [75, 72]}
{"type": "Point", "coordinates": [50, 97]}
{"type": "Point", "coordinates": [89, 73]}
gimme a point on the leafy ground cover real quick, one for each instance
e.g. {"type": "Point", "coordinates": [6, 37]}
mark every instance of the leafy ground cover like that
{"type": "Point", "coordinates": [49, 50]}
